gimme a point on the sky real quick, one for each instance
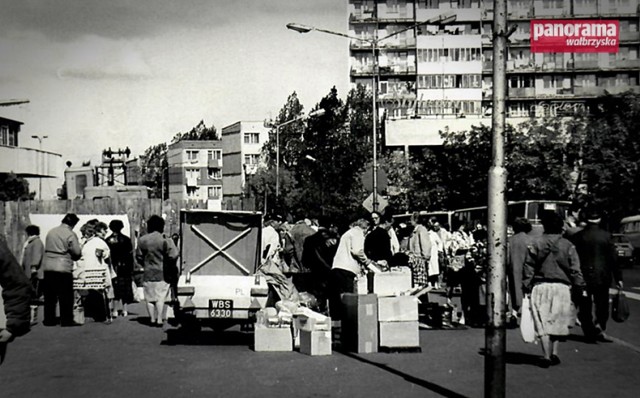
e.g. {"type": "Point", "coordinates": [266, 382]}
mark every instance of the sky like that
{"type": "Point", "coordinates": [121, 73]}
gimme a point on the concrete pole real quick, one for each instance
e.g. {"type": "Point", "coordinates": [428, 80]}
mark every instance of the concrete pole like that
{"type": "Point", "coordinates": [495, 333]}
{"type": "Point", "coordinates": [277, 163]}
{"type": "Point", "coordinates": [374, 88]}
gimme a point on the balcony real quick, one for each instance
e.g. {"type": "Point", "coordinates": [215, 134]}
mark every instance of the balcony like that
{"type": "Point", "coordinates": [398, 69]}
{"type": "Point", "coordinates": [365, 16]}
{"type": "Point", "coordinates": [629, 36]}
{"type": "Point", "coordinates": [214, 163]}
{"type": "Point", "coordinates": [588, 91]}
{"type": "Point", "coordinates": [28, 162]}
{"type": "Point", "coordinates": [623, 64]}
{"type": "Point", "coordinates": [409, 42]}
{"type": "Point", "coordinates": [360, 45]}
{"type": "Point", "coordinates": [522, 92]}
{"type": "Point", "coordinates": [585, 64]}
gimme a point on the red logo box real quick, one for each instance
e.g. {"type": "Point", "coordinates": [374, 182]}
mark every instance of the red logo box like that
{"type": "Point", "coordinates": [575, 36]}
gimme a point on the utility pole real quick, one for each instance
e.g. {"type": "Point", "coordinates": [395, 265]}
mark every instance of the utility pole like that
{"type": "Point", "coordinates": [40, 139]}
{"type": "Point", "coordinates": [495, 332]}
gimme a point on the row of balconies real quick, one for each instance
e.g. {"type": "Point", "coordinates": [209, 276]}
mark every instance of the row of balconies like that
{"type": "Point", "coordinates": [525, 40]}
{"type": "Point", "coordinates": [604, 10]}
{"type": "Point", "coordinates": [398, 69]}
{"type": "Point", "coordinates": [390, 44]}
{"type": "Point", "coordinates": [569, 66]}
{"type": "Point", "coordinates": [535, 93]}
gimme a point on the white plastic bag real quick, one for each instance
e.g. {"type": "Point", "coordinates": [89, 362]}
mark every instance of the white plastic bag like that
{"type": "Point", "coordinates": [527, 329]}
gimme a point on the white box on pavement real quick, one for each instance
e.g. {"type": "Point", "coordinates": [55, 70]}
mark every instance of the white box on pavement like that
{"type": "Point", "coordinates": [397, 309]}
{"type": "Point", "coordinates": [399, 334]}
{"type": "Point", "coordinates": [390, 283]}
{"type": "Point", "coordinates": [272, 339]}
{"type": "Point", "coordinates": [316, 342]}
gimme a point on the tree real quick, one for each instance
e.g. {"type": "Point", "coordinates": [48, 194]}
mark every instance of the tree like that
{"type": "Point", "coordinates": [14, 188]}
{"type": "Point", "coordinates": [199, 133]}
{"type": "Point", "coordinates": [155, 170]}
{"type": "Point", "coordinates": [610, 162]}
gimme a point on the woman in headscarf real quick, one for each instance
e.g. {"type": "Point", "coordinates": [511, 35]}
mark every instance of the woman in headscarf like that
{"type": "Point", "coordinates": [122, 263]}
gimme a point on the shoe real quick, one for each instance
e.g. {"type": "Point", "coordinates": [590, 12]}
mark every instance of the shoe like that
{"type": "Point", "coordinates": [545, 363]}
{"type": "Point", "coordinates": [114, 314]}
{"type": "Point", "coordinates": [555, 360]}
{"type": "Point", "coordinates": [602, 338]}
{"type": "Point", "coordinates": [125, 313]}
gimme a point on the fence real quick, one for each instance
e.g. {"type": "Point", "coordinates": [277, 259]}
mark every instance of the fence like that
{"type": "Point", "coordinates": [14, 216]}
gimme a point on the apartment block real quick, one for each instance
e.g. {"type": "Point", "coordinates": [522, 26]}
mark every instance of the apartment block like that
{"type": "Point", "coordinates": [195, 171]}
{"type": "Point", "coordinates": [242, 143]}
{"type": "Point", "coordinates": [437, 76]}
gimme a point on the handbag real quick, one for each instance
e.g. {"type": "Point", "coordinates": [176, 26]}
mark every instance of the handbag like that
{"type": "Point", "coordinates": [169, 267]}
{"type": "Point", "coordinates": [620, 307]}
{"type": "Point", "coordinates": [527, 328]}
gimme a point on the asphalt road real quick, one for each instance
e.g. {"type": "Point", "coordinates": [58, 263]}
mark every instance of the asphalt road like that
{"type": "Point", "coordinates": [130, 359]}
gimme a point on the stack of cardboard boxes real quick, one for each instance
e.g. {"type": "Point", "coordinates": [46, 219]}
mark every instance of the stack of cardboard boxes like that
{"type": "Point", "coordinates": [398, 317]}
{"type": "Point", "coordinates": [313, 332]}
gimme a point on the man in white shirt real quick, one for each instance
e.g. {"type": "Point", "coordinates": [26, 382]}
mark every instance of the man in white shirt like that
{"type": "Point", "coordinates": [271, 239]}
{"type": "Point", "coordinates": [348, 263]}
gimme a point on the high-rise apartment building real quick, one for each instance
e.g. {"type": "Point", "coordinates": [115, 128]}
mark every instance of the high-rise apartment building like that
{"type": "Point", "coordinates": [438, 75]}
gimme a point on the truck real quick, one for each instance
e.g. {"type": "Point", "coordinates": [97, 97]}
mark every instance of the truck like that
{"type": "Point", "coordinates": [218, 285]}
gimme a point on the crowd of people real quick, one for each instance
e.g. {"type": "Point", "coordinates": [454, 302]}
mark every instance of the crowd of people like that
{"type": "Point", "coordinates": [95, 275]}
{"type": "Point", "coordinates": [564, 273]}
{"type": "Point", "coordinates": [319, 261]}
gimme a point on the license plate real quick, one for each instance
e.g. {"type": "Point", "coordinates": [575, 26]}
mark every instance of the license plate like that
{"type": "Point", "coordinates": [220, 308]}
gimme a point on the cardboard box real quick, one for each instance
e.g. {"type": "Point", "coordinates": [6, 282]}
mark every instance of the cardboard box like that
{"type": "Point", "coordinates": [362, 285]}
{"type": "Point", "coordinates": [317, 342]}
{"type": "Point", "coordinates": [304, 322]}
{"type": "Point", "coordinates": [360, 323]}
{"type": "Point", "coordinates": [399, 334]}
{"type": "Point", "coordinates": [272, 339]}
{"type": "Point", "coordinates": [397, 309]}
{"type": "Point", "coordinates": [390, 283]}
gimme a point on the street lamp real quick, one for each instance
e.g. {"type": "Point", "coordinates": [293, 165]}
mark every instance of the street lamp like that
{"type": "Point", "coordinates": [316, 113]}
{"type": "Point", "coordinates": [40, 139]}
{"type": "Point", "coordinates": [374, 41]}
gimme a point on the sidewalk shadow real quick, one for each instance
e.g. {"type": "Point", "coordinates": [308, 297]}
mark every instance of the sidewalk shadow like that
{"type": "Point", "coordinates": [517, 358]}
{"type": "Point", "coordinates": [445, 392]}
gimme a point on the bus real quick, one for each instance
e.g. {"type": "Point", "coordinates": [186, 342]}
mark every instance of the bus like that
{"type": "Point", "coordinates": [630, 227]}
{"type": "Point", "coordinates": [529, 209]}
{"type": "Point", "coordinates": [444, 217]}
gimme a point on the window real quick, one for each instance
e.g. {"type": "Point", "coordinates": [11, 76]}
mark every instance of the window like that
{"type": "Point", "coordinates": [392, 6]}
{"type": "Point", "coordinates": [251, 159]}
{"type": "Point", "coordinates": [4, 135]}
{"type": "Point", "coordinates": [13, 138]}
{"type": "Point", "coordinates": [214, 174]}
{"type": "Point", "coordinates": [214, 192]}
{"type": "Point", "coordinates": [192, 155]}
{"type": "Point", "coordinates": [192, 174]}
{"type": "Point", "coordinates": [214, 154]}
{"type": "Point", "coordinates": [251, 138]}
{"type": "Point", "coordinates": [193, 192]}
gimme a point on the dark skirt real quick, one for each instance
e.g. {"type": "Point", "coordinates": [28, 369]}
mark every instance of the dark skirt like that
{"type": "Point", "coordinates": [122, 289]}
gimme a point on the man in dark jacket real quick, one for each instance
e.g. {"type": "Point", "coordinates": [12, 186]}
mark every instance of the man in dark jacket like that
{"type": "Point", "coordinates": [16, 294]}
{"type": "Point", "coordinates": [598, 262]}
{"type": "Point", "coordinates": [318, 253]}
{"type": "Point", "coordinates": [377, 243]}
{"type": "Point", "coordinates": [516, 256]}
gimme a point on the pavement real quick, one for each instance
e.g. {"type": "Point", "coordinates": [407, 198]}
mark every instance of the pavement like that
{"type": "Point", "coordinates": [129, 358]}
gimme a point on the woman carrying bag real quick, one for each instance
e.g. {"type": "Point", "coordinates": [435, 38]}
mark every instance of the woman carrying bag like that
{"type": "Point", "coordinates": [551, 273]}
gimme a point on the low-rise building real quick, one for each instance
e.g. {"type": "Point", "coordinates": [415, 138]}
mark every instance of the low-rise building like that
{"type": "Point", "coordinates": [242, 143]}
{"type": "Point", "coordinates": [195, 171]}
{"type": "Point", "coordinates": [25, 162]}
